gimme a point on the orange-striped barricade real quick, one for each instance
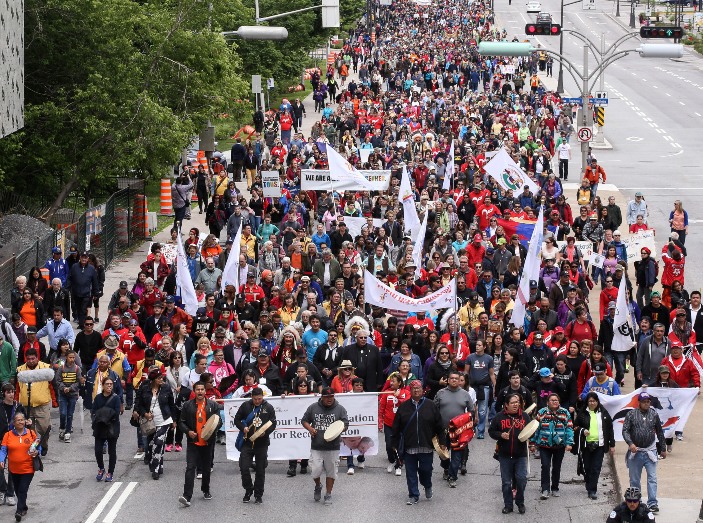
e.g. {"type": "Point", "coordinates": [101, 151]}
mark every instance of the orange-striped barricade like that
{"type": "Point", "coordinates": [166, 202]}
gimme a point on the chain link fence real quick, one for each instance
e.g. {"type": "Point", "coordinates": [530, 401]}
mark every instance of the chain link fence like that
{"type": "Point", "coordinates": [108, 231]}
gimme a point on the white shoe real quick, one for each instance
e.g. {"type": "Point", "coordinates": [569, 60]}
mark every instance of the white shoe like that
{"type": "Point", "coordinates": [361, 465]}
{"type": "Point", "coordinates": [390, 468]}
{"type": "Point", "coordinates": [61, 434]}
{"type": "Point", "coordinates": [350, 472]}
{"type": "Point", "coordinates": [398, 471]}
{"type": "Point", "coordinates": [67, 437]}
{"type": "Point", "coordinates": [199, 475]}
{"type": "Point", "coordinates": [10, 500]}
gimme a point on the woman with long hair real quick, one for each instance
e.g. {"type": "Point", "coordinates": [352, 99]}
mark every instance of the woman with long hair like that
{"type": "Point", "coordinates": [406, 354]}
{"type": "Point", "coordinates": [36, 282]}
{"type": "Point", "coordinates": [586, 370]}
{"type": "Point", "coordinates": [176, 373]}
{"type": "Point", "coordinates": [105, 413]}
{"type": "Point", "coordinates": [678, 220]}
{"type": "Point", "coordinates": [511, 362]}
{"type": "Point", "coordinates": [438, 372]}
{"type": "Point", "coordinates": [574, 358]}
{"type": "Point", "coordinates": [154, 402]}
{"type": "Point", "coordinates": [512, 275]}
{"type": "Point", "coordinates": [31, 309]}
{"type": "Point", "coordinates": [593, 438]}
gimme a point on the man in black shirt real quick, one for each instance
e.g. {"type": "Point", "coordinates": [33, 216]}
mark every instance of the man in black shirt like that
{"type": "Point", "coordinates": [88, 343]}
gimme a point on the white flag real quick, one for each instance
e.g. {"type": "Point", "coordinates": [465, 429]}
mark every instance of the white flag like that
{"type": "Point", "coordinates": [340, 169]}
{"type": "Point", "coordinates": [183, 280]}
{"type": "Point", "coordinates": [419, 242]}
{"type": "Point", "coordinates": [674, 406]}
{"type": "Point", "coordinates": [230, 276]}
{"type": "Point", "coordinates": [508, 174]}
{"type": "Point", "coordinates": [529, 272]}
{"type": "Point", "coordinates": [449, 171]}
{"type": "Point", "coordinates": [377, 293]}
{"type": "Point", "coordinates": [623, 330]}
{"type": "Point", "coordinates": [407, 198]}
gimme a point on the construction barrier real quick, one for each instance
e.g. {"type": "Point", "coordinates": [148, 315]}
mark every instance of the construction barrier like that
{"type": "Point", "coordinates": [166, 202]}
{"type": "Point", "coordinates": [122, 226]}
{"type": "Point", "coordinates": [139, 222]}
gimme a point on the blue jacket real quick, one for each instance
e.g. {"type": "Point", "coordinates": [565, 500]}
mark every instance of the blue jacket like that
{"type": "Point", "coordinates": [57, 269]}
{"type": "Point", "coordinates": [555, 428]}
{"type": "Point", "coordinates": [415, 365]}
{"type": "Point", "coordinates": [90, 382]}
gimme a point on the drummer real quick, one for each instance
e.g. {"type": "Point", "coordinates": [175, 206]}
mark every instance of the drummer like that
{"type": "Point", "coordinates": [251, 416]}
{"type": "Point", "coordinates": [194, 417]}
{"type": "Point", "coordinates": [512, 453]}
{"type": "Point", "coordinates": [324, 452]}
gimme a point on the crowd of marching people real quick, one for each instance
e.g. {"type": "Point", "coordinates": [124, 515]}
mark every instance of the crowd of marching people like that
{"type": "Point", "coordinates": [402, 96]}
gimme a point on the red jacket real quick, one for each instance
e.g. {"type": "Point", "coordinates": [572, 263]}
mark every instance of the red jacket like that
{"type": "Point", "coordinates": [673, 270]}
{"type": "Point", "coordinates": [687, 374]}
{"type": "Point", "coordinates": [133, 346]}
{"type": "Point", "coordinates": [606, 296]}
{"type": "Point", "coordinates": [161, 271]}
{"type": "Point", "coordinates": [388, 405]}
{"type": "Point", "coordinates": [475, 253]}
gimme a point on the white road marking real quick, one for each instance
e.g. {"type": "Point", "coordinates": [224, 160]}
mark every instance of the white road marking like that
{"type": "Point", "coordinates": [655, 87]}
{"type": "Point", "coordinates": [110, 517]}
{"type": "Point", "coordinates": [680, 151]}
{"type": "Point", "coordinates": [682, 103]}
{"type": "Point", "coordinates": [667, 94]}
{"type": "Point", "coordinates": [668, 138]}
{"type": "Point", "coordinates": [103, 502]}
{"type": "Point", "coordinates": [660, 131]}
{"type": "Point", "coordinates": [697, 114]}
{"type": "Point", "coordinates": [634, 139]}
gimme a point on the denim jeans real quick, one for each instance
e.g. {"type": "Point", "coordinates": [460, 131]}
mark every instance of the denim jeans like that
{"type": "Point", "coordinates": [418, 465]}
{"type": "Point", "coordinates": [635, 465]}
{"type": "Point", "coordinates": [350, 460]}
{"type": "Point", "coordinates": [453, 464]}
{"type": "Point", "coordinates": [483, 411]}
{"type": "Point", "coordinates": [551, 457]}
{"type": "Point", "coordinates": [6, 487]}
{"type": "Point", "coordinates": [617, 359]}
{"type": "Point", "coordinates": [513, 468]}
{"type": "Point", "coordinates": [22, 482]}
{"type": "Point", "coordinates": [67, 405]}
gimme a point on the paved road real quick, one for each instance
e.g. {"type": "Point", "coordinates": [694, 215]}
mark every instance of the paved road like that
{"type": "Point", "coordinates": [653, 120]}
{"type": "Point", "coordinates": [370, 495]}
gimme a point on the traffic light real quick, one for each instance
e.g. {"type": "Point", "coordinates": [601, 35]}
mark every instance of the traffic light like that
{"type": "Point", "coordinates": [543, 29]}
{"type": "Point", "coordinates": [661, 32]}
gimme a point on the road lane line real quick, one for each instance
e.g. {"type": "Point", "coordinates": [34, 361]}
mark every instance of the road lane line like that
{"type": "Point", "coordinates": [667, 94]}
{"type": "Point", "coordinates": [660, 131]}
{"type": "Point", "coordinates": [110, 517]}
{"type": "Point", "coordinates": [682, 103]}
{"type": "Point", "coordinates": [697, 114]}
{"type": "Point", "coordinates": [103, 502]}
{"type": "Point", "coordinates": [676, 145]}
{"type": "Point", "coordinates": [668, 138]}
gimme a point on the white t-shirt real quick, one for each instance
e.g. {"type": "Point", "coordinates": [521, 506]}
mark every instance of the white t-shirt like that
{"type": "Point", "coordinates": [564, 151]}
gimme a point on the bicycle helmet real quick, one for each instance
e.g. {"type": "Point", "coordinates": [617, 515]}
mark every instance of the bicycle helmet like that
{"type": "Point", "coordinates": [633, 493]}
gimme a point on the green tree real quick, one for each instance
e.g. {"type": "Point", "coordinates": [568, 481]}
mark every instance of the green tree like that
{"type": "Point", "coordinates": [114, 86]}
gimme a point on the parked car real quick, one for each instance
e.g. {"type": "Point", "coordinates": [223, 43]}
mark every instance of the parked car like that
{"type": "Point", "coordinates": [534, 7]}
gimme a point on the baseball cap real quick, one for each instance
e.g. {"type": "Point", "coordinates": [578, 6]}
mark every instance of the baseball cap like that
{"type": "Point", "coordinates": [327, 391]}
{"type": "Point", "coordinates": [31, 329]}
{"type": "Point", "coordinates": [490, 250]}
{"type": "Point", "coordinates": [599, 367]}
{"type": "Point", "coordinates": [305, 278]}
{"type": "Point", "coordinates": [655, 293]}
{"type": "Point", "coordinates": [538, 336]}
{"type": "Point", "coordinates": [478, 237]}
{"type": "Point", "coordinates": [558, 330]}
{"type": "Point", "coordinates": [56, 250]}
{"type": "Point", "coordinates": [157, 304]}
{"type": "Point", "coordinates": [501, 241]}
{"type": "Point", "coordinates": [123, 284]}
{"type": "Point", "coordinates": [644, 396]}
{"type": "Point", "coordinates": [544, 372]}
{"type": "Point", "coordinates": [664, 368]}
{"type": "Point", "coordinates": [533, 284]}
{"type": "Point", "coordinates": [638, 193]}
{"type": "Point", "coordinates": [241, 296]}
{"type": "Point", "coordinates": [612, 305]}
{"type": "Point", "coordinates": [170, 299]}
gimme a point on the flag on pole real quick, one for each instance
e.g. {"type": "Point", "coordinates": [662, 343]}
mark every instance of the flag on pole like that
{"type": "Point", "coordinates": [508, 174]}
{"type": "Point", "coordinates": [340, 168]}
{"type": "Point", "coordinates": [230, 276]}
{"type": "Point", "coordinates": [623, 330]}
{"type": "Point", "coordinates": [529, 272]}
{"type": "Point", "coordinates": [449, 171]}
{"type": "Point", "coordinates": [407, 198]}
{"type": "Point", "coordinates": [185, 284]}
{"type": "Point", "coordinates": [419, 242]}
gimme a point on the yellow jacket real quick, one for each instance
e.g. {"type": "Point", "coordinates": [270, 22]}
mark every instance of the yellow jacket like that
{"type": "Point", "coordinates": [42, 391]}
{"type": "Point", "coordinates": [288, 316]}
{"type": "Point", "coordinates": [116, 362]}
{"type": "Point", "coordinates": [468, 317]}
{"type": "Point", "coordinates": [139, 370]}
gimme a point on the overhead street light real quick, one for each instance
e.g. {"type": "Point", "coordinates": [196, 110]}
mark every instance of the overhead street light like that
{"type": "Point", "coordinates": [259, 32]}
{"type": "Point", "coordinates": [660, 50]}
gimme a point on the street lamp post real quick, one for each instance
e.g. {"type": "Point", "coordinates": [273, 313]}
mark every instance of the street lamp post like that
{"type": "Point", "coordinates": [560, 78]}
{"type": "Point", "coordinates": [617, 9]}
{"type": "Point", "coordinates": [586, 78]}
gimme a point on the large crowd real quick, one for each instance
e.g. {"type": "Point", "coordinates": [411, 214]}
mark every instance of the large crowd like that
{"type": "Point", "coordinates": [398, 95]}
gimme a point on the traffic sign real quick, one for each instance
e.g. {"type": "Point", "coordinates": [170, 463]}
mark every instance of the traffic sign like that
{"type": "Point", "coordinates": [571, 100]}
{"type": "Point", "coordinates": [588, 5]}
{"type": "Point", "coordinates": [598, 101]}
{"type": "Point", "coordinates": [600, 94]}
{"type": "Point", "coordinates": [585, 134]}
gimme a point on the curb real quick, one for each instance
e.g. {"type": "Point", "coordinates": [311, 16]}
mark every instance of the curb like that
{"type": "Point", "coordinates": [619, 22]}
{"type": "Point", "coordinates": [617, 484]}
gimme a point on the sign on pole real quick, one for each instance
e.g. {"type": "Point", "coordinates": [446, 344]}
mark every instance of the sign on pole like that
{"type": "Point", "coordinates": [271, 183]}
{"type": "Point", "coordinates": [588, 5]}
{"type": "Point", "coordinates": [270, 83]}
{"type": "Point", "coordinates": [256, 83]}
{"type": "Point", "coordinates": [585, 134]}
